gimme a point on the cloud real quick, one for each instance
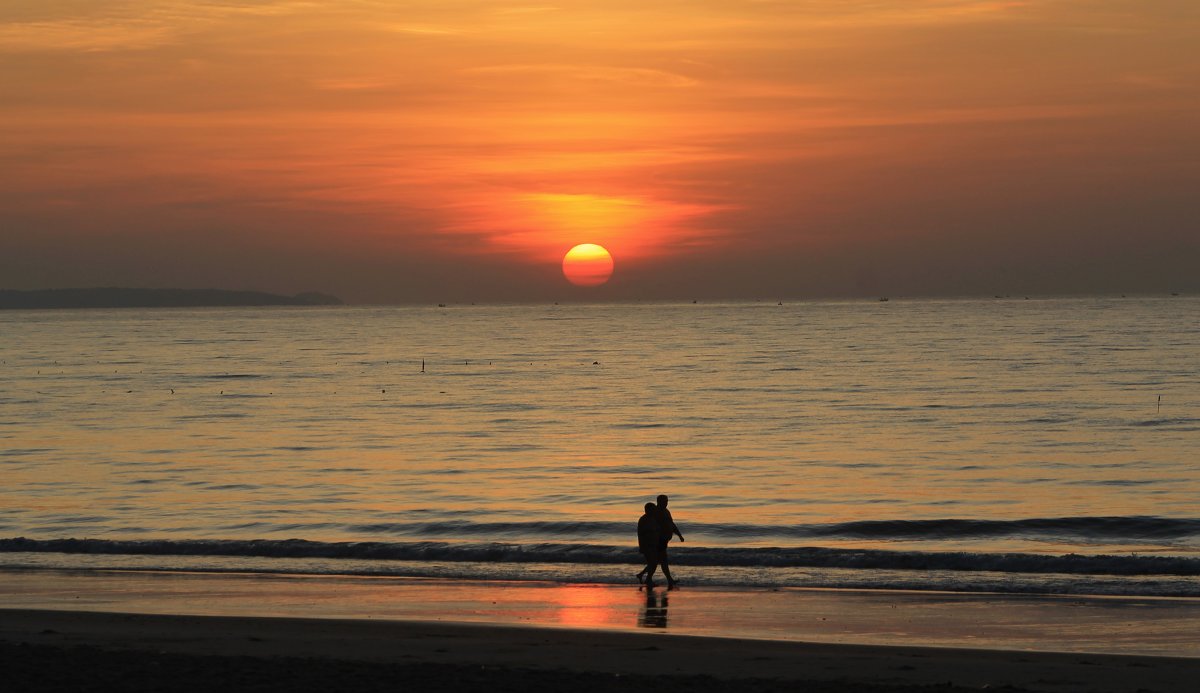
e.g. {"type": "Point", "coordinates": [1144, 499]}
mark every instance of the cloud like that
{"type": "Point", "coordinates": [83, 36]}
{"type": "Point", "coordinates": [352, 84]}
{"type": "Point", "coordinates": [636, 76]}
{"type": "Point", "coordinates": [765, 138]}
{"type": "Point", "coordinates": [126, 26]}
{"type": "Point", "coordinates": [424, 29]}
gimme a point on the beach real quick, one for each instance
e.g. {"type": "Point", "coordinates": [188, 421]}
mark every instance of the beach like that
{"type": "Point", "coordinates": [373, 630]}
{"type": "Point", "coordinates": [101, 651]}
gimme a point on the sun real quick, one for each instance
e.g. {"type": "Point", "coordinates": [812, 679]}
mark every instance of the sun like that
{"type": "Point", "coordinates": [587, 264]}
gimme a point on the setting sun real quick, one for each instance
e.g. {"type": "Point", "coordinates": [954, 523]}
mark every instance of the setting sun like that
{"type": "Point", "coordinates": [587, 264]}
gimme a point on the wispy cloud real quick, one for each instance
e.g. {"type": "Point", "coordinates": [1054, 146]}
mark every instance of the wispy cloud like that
{"type": "Point", "coordinates": [122, 25]}
{"type": "Point", "coordinates": [639, 76]}
{"type": "Point", "coordinates": [424, 29]}
{"type": "Point", "coordinates": [84, 36]}
{"type": "Point", "coordinates": [352, 84]}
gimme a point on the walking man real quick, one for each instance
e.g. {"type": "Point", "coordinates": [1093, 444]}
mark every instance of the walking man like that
{"type": "Point", "coordinates": [666, 528]}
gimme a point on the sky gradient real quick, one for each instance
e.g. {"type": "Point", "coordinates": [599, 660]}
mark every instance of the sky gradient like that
{"type": "Point", "coordinates": [454, 150]}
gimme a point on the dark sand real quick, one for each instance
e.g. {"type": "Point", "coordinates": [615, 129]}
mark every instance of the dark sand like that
{"type": "Point", "coordinates": [66, 650]}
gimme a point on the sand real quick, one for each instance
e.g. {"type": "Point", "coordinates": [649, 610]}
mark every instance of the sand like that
{"type": "Point", "coordinates": [46, 649]}
{"type": "Point", "coordinates": [121, 630]}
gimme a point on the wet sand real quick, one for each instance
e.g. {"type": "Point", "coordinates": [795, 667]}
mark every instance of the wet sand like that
{"type": "Point", "coordinates": [1145, 626]}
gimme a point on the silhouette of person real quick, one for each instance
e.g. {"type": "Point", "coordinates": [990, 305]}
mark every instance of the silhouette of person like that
{"type": "Point", "coordinates": [648, 542]}
{"type": "Point", "coordinates": [666, 527]}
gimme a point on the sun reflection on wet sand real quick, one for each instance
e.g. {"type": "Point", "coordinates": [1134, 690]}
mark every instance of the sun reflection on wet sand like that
{"type": "Point", "coordinates": [590, 606]}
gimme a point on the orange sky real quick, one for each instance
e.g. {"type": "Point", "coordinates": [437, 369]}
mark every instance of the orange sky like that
{"type": "Point", "coordinates": [455, 149]}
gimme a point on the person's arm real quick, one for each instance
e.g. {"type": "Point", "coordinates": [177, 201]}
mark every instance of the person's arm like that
{"type": "Point", "coordinates": [676, 528]}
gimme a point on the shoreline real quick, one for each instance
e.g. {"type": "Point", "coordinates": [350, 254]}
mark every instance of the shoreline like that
{"type": "Point", "coordinates": [205, 644]}
{"type": "Point", "coordinates": [1153, 626]}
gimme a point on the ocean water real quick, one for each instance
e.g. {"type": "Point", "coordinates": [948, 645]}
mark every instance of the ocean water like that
{"type": "Point", "coordinates": [1002, 445]}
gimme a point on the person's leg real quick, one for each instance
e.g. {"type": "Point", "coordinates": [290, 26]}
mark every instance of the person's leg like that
{"type": "Point", "coordinates": [651, 566]}
{"type": "Point", "coordinates": [646, 569]}
{"type": "Point", "coordinates": [666, 568]}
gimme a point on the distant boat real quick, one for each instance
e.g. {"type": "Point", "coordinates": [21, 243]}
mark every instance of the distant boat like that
{"type": "Point", "coordinates": [883, 299]}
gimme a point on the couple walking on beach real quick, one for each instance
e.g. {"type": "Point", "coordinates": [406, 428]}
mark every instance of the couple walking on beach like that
{"type": "Point", "coordinates": [655, 529]}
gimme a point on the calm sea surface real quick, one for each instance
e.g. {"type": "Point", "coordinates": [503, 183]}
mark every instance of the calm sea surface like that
{"type": "Point", "coordinates": [999, 444]}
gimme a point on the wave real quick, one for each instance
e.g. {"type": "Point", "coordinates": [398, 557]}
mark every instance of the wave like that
{"type": "Point", "coordinates": [1093, 529]}
{"type": "Point", "coordinates": [1123, 528]}
{"type": "Point", "coordinates": [807, 557]}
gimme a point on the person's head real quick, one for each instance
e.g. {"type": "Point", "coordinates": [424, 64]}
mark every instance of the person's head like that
{"type": "Point", "coordinates": [662, 501]}
{"type": "Point", "coordinates": [649, 507]}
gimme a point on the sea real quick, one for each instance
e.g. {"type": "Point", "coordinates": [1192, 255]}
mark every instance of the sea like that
{"type": "Point", "coordinates": [1011, 445]}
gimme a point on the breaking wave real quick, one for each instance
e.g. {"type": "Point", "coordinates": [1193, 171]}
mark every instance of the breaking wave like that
{"type": "Point", "coordinates": [571, 553]}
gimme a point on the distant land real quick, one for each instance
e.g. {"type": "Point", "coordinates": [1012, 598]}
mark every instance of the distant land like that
{"type": "Point", "coordinates": [113, 297]}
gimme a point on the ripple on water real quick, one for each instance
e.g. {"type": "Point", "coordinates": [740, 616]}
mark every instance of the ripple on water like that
{"type": "Point", "coordinates": [902, 425]}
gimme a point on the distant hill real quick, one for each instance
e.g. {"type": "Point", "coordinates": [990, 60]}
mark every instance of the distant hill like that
{"type": "Point", "coordinates": [111, 297]}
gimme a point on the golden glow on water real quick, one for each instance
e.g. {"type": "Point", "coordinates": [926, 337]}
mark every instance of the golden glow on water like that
{"type": "Point", "coordinates": [322, 425]}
